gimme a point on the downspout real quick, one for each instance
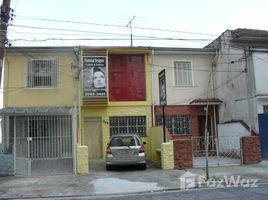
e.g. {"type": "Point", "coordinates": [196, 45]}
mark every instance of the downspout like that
{"type": "Point", "coordinates": [152, 88]}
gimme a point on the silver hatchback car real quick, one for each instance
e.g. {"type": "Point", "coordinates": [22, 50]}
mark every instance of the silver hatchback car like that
{"type": "Point", "coordinates": [127, 149]}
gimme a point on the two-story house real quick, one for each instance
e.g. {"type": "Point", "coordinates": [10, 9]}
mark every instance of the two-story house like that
{"type": "Point", "coordinates": [242, 56]}
{"type": "Point", "coordinates": [188, 79]}
{"type": "Point", "coordinates": [121, 102]}
{"type": "Point", "coordinates": [37, 109]}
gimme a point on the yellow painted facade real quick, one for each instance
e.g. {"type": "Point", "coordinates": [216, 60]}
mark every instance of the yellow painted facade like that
{"type": "Point", "coordinates": [156, 139]}
{"type": "Point", "coordinates": [167, 155]}
{"type": "Point", "coordinates": [105, 113]}
{"type": "Point", "coordinates": [135, 108]}
{"type": "Point", "coordinates": [16, 94]}
{"type": "Point", "coordinates": [82, 159]}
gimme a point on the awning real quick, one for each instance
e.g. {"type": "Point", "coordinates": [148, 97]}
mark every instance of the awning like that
{"type": "Point", "coordinates": [205, 101]}
{"type": "Point", "coordinates": [36, 111]}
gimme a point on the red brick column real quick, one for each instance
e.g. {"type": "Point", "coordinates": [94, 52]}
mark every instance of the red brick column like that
{"type": "Point", "coordinates": [183, 157]}
{"type": "Point", "coordinates": [251, 149]}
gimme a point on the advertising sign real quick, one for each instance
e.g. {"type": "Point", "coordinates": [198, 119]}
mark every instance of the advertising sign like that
{"type": "Point", "coordinates": [94, 76]}
{"type": "Point", "coordinates": [162, 88]}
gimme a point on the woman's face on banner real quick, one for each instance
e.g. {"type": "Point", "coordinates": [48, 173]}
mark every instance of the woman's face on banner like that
{"type": "Point", "coordinates": [98, 80]}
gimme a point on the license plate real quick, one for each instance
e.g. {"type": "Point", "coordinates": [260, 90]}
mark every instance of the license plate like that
{"type": "Point", "coordinates": [124, 152]}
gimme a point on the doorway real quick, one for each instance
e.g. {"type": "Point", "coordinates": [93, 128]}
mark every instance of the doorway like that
{"type": "Point", "coordinates": [202, 126]}
{"type": "Point", "coordinates": [93, 138]}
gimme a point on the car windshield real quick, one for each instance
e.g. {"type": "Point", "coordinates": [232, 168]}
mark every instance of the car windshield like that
{"type": "Point", "coordinates": [124, 141]}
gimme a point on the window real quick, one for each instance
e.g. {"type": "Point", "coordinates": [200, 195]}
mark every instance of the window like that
{"type": "Point", "coordinates": [42, 73]}
{"type": "Point", "coordinates": [176, 124]}
{"type": "Point", "coordinates": [128, 125]}
{"type": "Point", "coordinates": [182, 73]}
{"type": "Point", "coordinates": [265, 109]}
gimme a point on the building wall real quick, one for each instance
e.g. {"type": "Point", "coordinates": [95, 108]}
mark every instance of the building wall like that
{"type": "Point", "coordinates": [105, 112]}
{"type": "Point", "coordinates": [121, 108]}
{"type": "Point", "coordinates": [243, 94]}
{"type": "Point", "coordinates": [193, 111]}
{"type": "Point", "coordinates": [15, 80]}
{"type": "Point", "coordinates": [181, 95]}
{"type": "Point", "coordinates": [261, 72]}
{"type": "Point", "coordinates": [230, 82]}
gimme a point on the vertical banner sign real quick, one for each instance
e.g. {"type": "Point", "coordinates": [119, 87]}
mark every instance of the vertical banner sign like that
{"type": "Point", "coordinates": [94, 79]}
{"type": "Point", "coordinates": [162, 88]}
{"type": "Point", "coordinates": [163, 98]}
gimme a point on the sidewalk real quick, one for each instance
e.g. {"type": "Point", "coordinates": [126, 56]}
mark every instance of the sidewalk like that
{"type": "Point", "coordinates": [123, 181]}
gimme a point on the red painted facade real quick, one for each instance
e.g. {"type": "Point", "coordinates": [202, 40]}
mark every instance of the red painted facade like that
{"type": "Point", "coordinates": [127, 77]}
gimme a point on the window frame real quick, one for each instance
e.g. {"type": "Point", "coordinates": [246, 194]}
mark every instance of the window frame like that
{"type": "Point", "coordinates": [127, 127]}
{"type": "Point", "coordinates": [54, 79]}
{"type": "Point", "coordinates": [265, 109]}
{"type": "Point", "coordinates": [191, 73]}
{"type": "Point", "coordinates": [185, 123]}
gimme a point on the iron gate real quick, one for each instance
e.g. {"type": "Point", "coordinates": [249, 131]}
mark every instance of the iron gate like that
{"type": "Point", "coordinates": [43, 145]}
{"type": "Point", "coordinates": [222, 151]}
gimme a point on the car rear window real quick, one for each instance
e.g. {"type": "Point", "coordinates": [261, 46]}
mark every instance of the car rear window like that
{"type": "Point", "coordinates": [124, 141]}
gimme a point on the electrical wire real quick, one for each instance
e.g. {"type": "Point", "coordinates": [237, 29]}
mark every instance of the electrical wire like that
{"type": "Point", "coordinates": [136, 37]}
{"type": "Point", "coordinates": [113, 25]}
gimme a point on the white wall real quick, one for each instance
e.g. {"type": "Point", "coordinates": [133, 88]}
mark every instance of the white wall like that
{"type": "Point", "coordinates": [229, 135]}
{"type": "Point", "coordinates": [230, 83]}
{"type": "Point", "coordinates": [260, 62]}
{"type": "Point", "coordinates": [182, 95]}
{"type": "Point", "coordinates": [260, 103]}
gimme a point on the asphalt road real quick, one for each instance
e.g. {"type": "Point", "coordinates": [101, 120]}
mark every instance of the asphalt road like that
{"type": "Point", "coordinates": [231, 193]}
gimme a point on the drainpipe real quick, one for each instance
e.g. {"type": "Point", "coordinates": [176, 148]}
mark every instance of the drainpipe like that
{"type": "Point", "coordinates": [152, 88]}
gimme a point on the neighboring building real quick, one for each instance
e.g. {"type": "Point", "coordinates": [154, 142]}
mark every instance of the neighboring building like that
{"type": "Point", "coordinates": [187, 83]}
{"type": "Point", "coordinates": [37, 102]}
{"type": "Point", "coordinates": [242, 56]}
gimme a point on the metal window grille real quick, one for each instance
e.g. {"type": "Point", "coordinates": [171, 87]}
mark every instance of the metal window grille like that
{"type": "Point", "coordinates": [177, 124]}
{"type": "Point", "coordinates": [128, 125]}
{"type": "Point", "coordinates": [265, 109]}
{"type": "Point", "coordinates": [42, 73]}
{"type": "Point", "coordinates": [182, 73]}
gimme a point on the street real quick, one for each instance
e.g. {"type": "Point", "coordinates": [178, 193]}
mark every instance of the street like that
{"type": "Point", "coordinates": [234, 193]}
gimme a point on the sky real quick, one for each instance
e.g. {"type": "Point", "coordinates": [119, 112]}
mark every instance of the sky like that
{"type": "Point", "coordinates": [170, 23]}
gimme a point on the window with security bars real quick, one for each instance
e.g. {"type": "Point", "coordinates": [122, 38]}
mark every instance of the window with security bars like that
{"type": "Point", "coordinates": [265, 109]}
{"type": "Point", "coordinates": [128, 125]}
{"type": "Point", "coordinates": [176, 124]}
{"type": "Point", "coordinates": [182, 73]}
{"type": "Point", "coordinates": [42, 73]}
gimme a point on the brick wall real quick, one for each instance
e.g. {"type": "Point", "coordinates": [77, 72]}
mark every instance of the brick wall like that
{"type": "Point", "coordinates": [183, 153]}
{"type": "Point", "coordinates": [193, 111]}
{"type": "Point", "coordinates": [251, 149]}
